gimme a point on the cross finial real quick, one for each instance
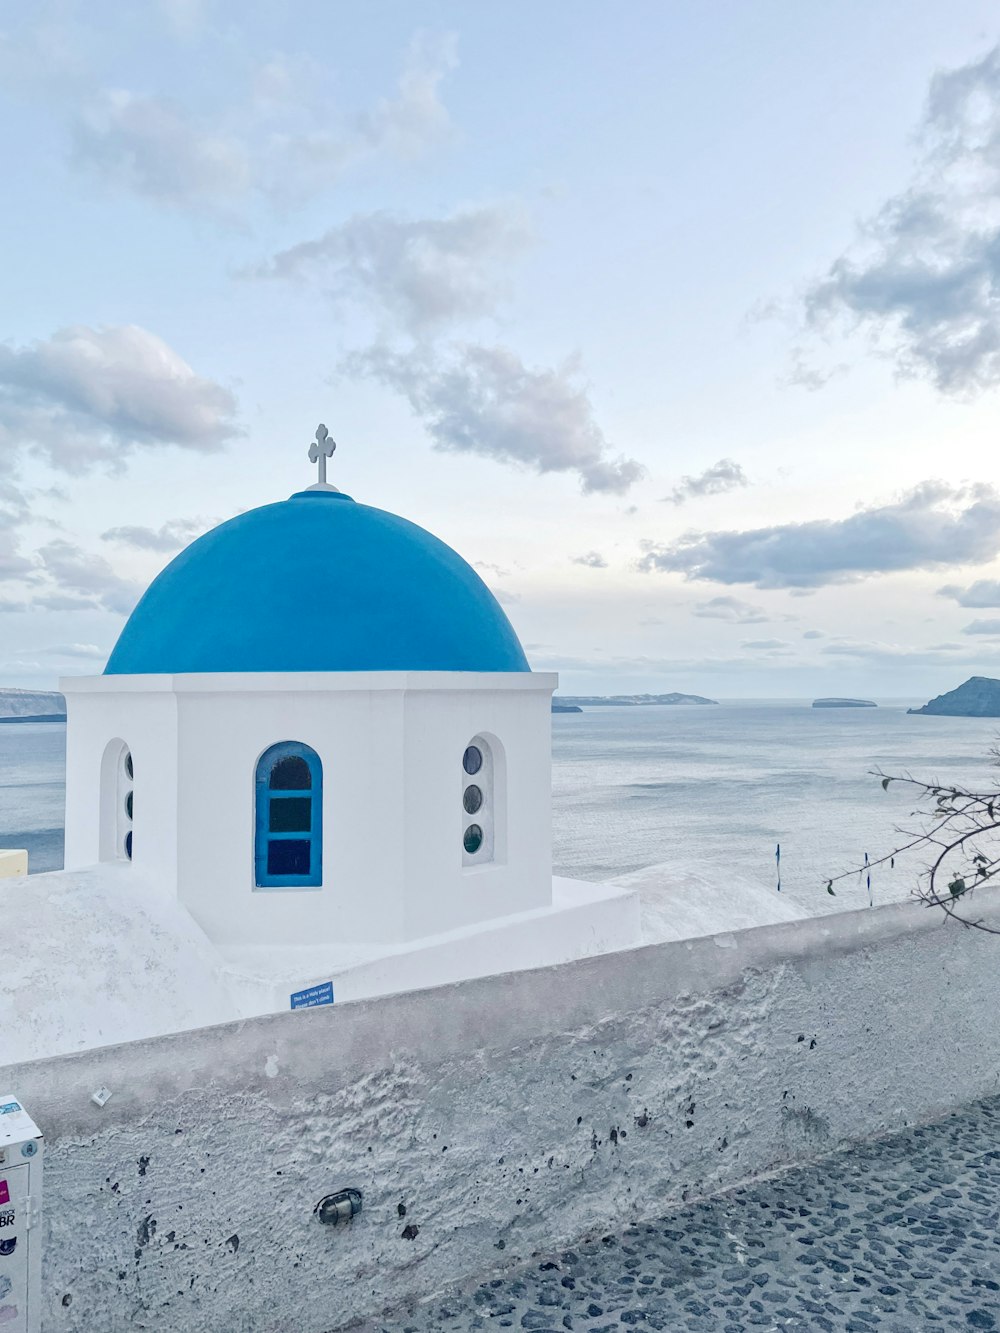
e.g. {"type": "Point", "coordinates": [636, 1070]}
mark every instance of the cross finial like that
{"type": "Point", "coordinates": [319, 451]}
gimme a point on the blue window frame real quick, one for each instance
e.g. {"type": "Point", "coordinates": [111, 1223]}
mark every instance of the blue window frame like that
{"type": "Point", "coordinates": [288, 844]}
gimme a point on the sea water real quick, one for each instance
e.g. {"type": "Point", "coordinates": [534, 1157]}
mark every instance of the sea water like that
{"type": "Point", "coordinates": [714, 790]}
{"type": "Point", "coordinates": [32, 790]}
{"type": "Point", "coordinates": [696, 788]}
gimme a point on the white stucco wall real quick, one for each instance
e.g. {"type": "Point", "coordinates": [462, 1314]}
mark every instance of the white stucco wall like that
{"type": "Point", "coordinates": [145, 720]}
{"type": "Point", "coordinates": [96, 956]}
{"type": "Point", "coordinates": [504, 1115]}
{"type": "Point", "coordinates": [103, 955]}
{"type": "Point", "coordinates": [391, 744]}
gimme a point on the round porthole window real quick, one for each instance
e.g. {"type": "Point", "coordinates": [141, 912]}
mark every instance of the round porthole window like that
{"type": "Point", "coordinates": [473, 839]}
{"type": "Point", "coordinates": [125, 781]}
{"type": "Point", "coordinates": [472, 799]}
{"type": "Point", "coordinates": [472, 761]}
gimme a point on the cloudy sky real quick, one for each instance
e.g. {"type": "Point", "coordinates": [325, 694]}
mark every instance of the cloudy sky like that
{"type": "Point", "coordinates": [680, 321]}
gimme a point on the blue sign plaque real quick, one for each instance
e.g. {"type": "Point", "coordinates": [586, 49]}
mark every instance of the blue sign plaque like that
{"type": "Point", "coordinates": [315, 995]}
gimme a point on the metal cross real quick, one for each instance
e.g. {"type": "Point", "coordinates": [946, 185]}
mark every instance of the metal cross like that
{"type": "Point", "coordinates": [319, 451]}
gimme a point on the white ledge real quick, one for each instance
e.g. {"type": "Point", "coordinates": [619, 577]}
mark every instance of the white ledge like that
{"type": "Point", "coordinates": [304, 682]}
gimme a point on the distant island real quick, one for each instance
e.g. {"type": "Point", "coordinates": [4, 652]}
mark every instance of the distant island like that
{"type": "Point", "coordinates": [33, 717]}
{"type": "Point", "coordinates": [978, 697]}
{"type": "Point", "coordinates": [31, 706]}
{"type": "Point", "coordinates": [844, 703]}
{"type": "Point", "coordinates": [576, 703]}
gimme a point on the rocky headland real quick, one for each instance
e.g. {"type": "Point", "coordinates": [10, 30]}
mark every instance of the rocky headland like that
{"type": "Point", "coordinates": [978, 697]}
{"type": "Point", "coordinates": [31, 706]}
{"type": "Point", "coordinates": [844, 703]}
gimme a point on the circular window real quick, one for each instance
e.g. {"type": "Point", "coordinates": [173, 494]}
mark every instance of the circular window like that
{"type": "Point", "coordinates": [473, 839]}
{"type": "Point", "coordinates": [128, 845]}
{"type": "Point", "coordinates": [128, 805]}
{"type": "Point", "coordinates": [472, 760]}
{"type": "Point", "coordinates": [472, 799]}
{"type": "Point", "coordinates": [128, 763]}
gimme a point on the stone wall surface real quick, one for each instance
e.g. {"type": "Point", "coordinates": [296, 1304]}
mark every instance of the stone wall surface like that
{"type": "Point", "coordinates": [487, 1120]}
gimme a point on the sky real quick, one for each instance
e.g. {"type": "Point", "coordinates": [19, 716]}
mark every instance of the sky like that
{"type": "Point", "coordinates": [680, 322]}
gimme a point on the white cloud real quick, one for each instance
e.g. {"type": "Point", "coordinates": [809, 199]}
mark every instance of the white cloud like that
{"type": "Point", "coordinates": [813, 634]}
{"type": "Point", "coordinates": [725, 475]}
{"type": "Point", "coordinates": [983, 627]}
{"type": "Point", "coordinates": [905, 655]}
{"type": "Point", "coordinates": [84, 581]}
{"type": "Point", "coordinates": [283, 142]}
{"type": "Point", "coordinates": [649, 667]}
{"type": "Point", "coordinates": [86, 651]}
{"type": "Point", "coordinates": [931, 526]}
{"type": "Point", "coordinates": [87, 396]}
{"type": "Point", "coordinates": [485, 400]}
{"type": "Point", "coordinates": [153, 147]}
{"type": "Point", "coordinates": [983, 593]}
{"type": "Point", "coordinates": [415, 117]}
{"type": "Point", "coordinates": [803, 375]}
{"type": "Point", "coordinates": [13, 565]}
{"type": "Point", "coordinates": [422, 273]}
{"type": "Point", "coordinates": [593, 560]}
{"type": "Point", "coordinates": [43, 53]}
{"type": "Point", "coordinates": [731, 609]}
{"type": "Point", "coordinates": [171, 536]}
{"type": "Point", "coordinates": [57, 601]}
{"type": "Point", "coordinates": [924, 275]}
{"type": "Point", "coordinates": [767, 645]}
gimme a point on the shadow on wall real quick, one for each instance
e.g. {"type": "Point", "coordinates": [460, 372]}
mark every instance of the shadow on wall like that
{"type": "Point", "coordinates": [117, 783]}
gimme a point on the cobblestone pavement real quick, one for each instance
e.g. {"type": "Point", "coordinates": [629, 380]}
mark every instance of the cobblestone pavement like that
{"type": "Point", "coordinates": [900, 1236]}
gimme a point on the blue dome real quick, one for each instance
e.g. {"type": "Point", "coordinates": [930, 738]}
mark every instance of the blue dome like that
{"type": "Point", "coordinates": [317, 583]}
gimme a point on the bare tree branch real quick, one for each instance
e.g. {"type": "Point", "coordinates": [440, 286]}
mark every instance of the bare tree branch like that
{"type": "Point", "coordinates": [964, 828]}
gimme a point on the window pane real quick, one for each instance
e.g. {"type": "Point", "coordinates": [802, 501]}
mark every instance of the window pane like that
{"type": "Point", "coordinates": [472, 760]}
{"type": "Point", "coordinates": [291, 814]}
{"type": "Point", "coordinates": [128, 805]}
{"type": "Point", "coordinates": [288, 856]}
{"type": "Point", "coordinates": [473, 839]}
{"type": "Point", "coordinates": [472, 799]}
{"type": "Point", "coordinates": [128, 764]}
{"type": "Point", "coordinates": [128, 845]}
{"type": "Point", "coordinates": [291, 774]}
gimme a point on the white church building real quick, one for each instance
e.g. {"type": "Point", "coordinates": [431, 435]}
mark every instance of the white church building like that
{"type": "Point", "coordinates": [318, 750]}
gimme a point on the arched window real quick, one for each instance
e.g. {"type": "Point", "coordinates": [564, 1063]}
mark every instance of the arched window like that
{"type": "Point", "coordinates": [288, 850]}
{"type": "Point", "coordinates": [117, 783]}
{"type": "Point", "coordinates": [478, 803]}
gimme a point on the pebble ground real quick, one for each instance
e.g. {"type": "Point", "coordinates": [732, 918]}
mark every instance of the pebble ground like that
{"type": "Point", "coordinates": [901, 1235]}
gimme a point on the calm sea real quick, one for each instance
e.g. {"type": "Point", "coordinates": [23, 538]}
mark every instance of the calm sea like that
{"type": "Point", "coordinates": [32, 785]}
{"type": "Point", "coordinates": [713, 790]}
{"type": "Point", "coordinates": [704, 789]}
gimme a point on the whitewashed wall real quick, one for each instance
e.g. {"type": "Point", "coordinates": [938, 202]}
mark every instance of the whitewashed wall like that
{"type": "Point", "coordinates": [145, 720]}
{"type": "Point", "coordinates": [489, 1120]}
{"type": "Point", "coordinates": [391, 744]}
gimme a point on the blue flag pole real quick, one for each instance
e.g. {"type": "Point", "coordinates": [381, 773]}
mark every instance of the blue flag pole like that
{"type": "Point", "coordinates": [777, 863]}
{"type": "Point", "coordinates": [868, 879]}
